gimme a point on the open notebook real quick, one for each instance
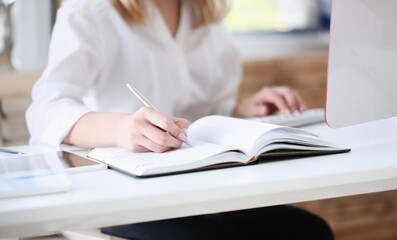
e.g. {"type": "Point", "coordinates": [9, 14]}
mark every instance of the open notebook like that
{"type": "Point", "coordinates": [218, 141]}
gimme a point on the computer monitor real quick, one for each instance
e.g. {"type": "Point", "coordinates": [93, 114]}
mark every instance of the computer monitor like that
{"type": "Point", "coordinates": [362, 67]}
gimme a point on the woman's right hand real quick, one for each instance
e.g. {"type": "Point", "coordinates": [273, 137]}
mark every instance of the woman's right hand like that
{"type": "Point", "coordinates": [148, 130]}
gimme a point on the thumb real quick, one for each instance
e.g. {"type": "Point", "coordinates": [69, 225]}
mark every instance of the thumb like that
{"type": "Point", "coordinates": [183, 124]}
{"type": "Point", "coordinates": [258, 110]}
{"type": "Point", "coordinates": [266, 110]}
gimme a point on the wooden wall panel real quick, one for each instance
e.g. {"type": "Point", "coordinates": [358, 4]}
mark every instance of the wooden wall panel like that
{"type": "Point", "coordinates": [305, 73]}
{"type": "Point", "coordinates": [257, 74]}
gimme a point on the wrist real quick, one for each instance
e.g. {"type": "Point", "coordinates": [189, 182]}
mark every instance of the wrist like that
{"type": "Point", "coordinates": [120, 127]}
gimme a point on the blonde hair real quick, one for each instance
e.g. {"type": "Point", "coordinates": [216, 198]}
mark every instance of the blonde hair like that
{"type": "Point", "coordinates": [208, 11]}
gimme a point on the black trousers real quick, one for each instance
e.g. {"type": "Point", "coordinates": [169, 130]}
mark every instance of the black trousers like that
{"type": "Point", "coordinates": [278, 222]}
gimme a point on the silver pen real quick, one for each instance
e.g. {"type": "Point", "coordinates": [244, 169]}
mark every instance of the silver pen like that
{"type": "Point", "coordinates": [147, 103]}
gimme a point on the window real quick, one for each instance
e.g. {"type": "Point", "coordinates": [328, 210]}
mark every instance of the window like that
{"type": "Point", "coordinates": [272, 28]}
{"type": "Point", "coordinates": [277, 15]}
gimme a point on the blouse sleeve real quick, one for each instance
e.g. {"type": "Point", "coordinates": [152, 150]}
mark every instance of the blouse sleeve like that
{"type": "Point", "coordinates": [75, 61]}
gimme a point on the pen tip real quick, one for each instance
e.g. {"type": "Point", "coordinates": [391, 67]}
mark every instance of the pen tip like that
{"type": "Point", "coordinates": [187, 143]}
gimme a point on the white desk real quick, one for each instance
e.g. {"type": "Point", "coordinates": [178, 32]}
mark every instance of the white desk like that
{"type": "Point", "coordinates": [106, 197]}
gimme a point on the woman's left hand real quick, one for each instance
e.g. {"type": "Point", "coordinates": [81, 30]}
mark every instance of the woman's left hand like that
{"type": "Point", "coordinates": [269, 100]}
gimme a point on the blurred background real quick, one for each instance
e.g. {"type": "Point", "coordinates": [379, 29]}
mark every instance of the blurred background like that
{"type": "Point", "coordinates": [261, 28]}
{"type": "Point", "coordinates": [282, 42]}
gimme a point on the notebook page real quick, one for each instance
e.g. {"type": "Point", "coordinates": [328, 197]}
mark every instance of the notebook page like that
{"type": "Point", "coordinates": [232, 132]}
{"type": "Point", "coordinates": [136, 162]}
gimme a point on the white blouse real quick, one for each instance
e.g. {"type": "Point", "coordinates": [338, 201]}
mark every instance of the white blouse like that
{"type": "Point", "coordinates": [94, 53]}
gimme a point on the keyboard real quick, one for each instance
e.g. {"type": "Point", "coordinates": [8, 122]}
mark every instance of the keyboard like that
{"type": "Point", "coordinates": [297, 119]}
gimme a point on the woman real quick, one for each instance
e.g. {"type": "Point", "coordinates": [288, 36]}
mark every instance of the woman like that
{"type": "Point", "coordinates": [180, 56]}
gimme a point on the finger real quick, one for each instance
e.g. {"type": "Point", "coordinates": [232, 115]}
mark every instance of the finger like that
{"type": "Point", "coordinates": [138, 149]}
{"type": "Point", "coordinates": [257, 110]}
{"type": "Point", "coordinates": [142, 144]}
{"type": "Point", "coordinates": [273, 97]}
{"type": "Point", "coordinates": [159, 136]}
{"type": "Point", "coordinates": [152, 146]}
{"type": "Point", "coordinates": [301, 104]}
{"type": "Point", "coordinates": [165, 122]}
{"type": "Point", "coordinates": [261, 110]}
{"type": "Point", "coordinates": [182, 123]}
{"type": "Point", "coordinates": [267, 109]}
{"type": "Point", "coordinates": [290, 97]}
